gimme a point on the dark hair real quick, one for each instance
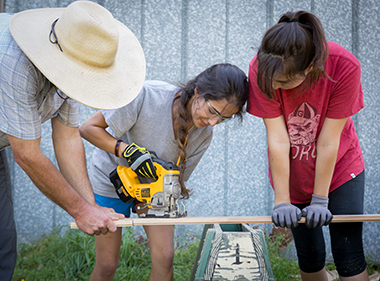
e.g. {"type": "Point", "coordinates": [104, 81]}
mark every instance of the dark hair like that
{"type": "Point", "coordinates": [296, 42]}
{"type": "Point", "coordinates": [220, 81]}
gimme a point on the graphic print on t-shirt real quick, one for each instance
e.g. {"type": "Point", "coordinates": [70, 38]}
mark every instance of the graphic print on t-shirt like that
{"type": "Point", "coordinates": [302, 126]}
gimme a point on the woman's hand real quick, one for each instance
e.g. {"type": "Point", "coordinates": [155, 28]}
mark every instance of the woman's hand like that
{"type": "Point", "coordinates": [140, 161]}
{"type": "Point", "coordinates": [316, 213]}
{"type": "Point", "coordinates": [286, 214]}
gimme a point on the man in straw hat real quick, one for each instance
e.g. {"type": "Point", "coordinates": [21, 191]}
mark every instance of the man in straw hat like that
{"type": "Point", "coordinates": [51, 61]}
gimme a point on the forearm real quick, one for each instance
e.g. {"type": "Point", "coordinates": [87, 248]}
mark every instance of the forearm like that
{"type": "Point", "coordinates": [90, 218]}
{"type": "Point", "coordinates": [327, 147]}
{"type": "Point", "coordinates": [51, 183]}
{"type": "Point", "coordinates": [279, 151]}
{"type": "Point", "coordinates": [324, 168]}
{"type": "Point", "coordinates": [99, 138]}
{"type": "Point", "coordinates": [279, 163]}
{"type": "Point", "coordinates": [71, 160]}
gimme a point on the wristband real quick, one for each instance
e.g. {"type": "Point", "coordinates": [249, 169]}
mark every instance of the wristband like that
{"type": "Point", "coordinates": [117, 147]}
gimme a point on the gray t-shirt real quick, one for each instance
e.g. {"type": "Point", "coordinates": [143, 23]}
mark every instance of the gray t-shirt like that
{"type": "Point", "coordinates": [147, 121]}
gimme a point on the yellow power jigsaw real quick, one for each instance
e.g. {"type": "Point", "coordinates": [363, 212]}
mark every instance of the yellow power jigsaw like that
{"type": "Point", "coordinates": [160, 197]}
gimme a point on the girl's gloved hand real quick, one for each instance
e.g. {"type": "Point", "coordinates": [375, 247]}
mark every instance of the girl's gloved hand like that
{"type": "Point", "coordinates": [286, 214]}
{"type": "Point", "coordinates": [316, 213]}
{"type": "Point", "coordinates": [140, 161]}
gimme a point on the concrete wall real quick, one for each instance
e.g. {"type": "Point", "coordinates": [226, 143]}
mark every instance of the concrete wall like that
{"type": "Point", "coordinates": [180, 39]}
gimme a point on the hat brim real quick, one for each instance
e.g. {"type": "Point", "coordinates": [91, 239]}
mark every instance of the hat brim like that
{"type": "Point", "coordinates": [101, 88]}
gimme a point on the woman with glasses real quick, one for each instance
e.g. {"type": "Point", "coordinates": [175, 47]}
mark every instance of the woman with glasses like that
{"type": "Point", "coordinates": [173, 122]}
{"type": "Point", "coordinates": [306, 90]}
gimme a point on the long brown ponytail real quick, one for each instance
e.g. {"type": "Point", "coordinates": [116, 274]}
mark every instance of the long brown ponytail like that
{"type": "Point", "coordinates": [220, 81]}
{"type": "Point", "coordinates": [289, 47]}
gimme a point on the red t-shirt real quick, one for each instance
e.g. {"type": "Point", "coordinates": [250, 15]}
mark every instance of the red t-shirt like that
{"type": "Point", "coordinates": [304, 113]}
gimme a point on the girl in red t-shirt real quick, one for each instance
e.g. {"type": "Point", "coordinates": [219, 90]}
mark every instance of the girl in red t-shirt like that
{"type": "Point", "coordinates": [306, 89]}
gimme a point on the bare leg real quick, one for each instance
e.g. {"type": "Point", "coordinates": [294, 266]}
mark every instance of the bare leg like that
{"type": "Point", "coordinates": [107, 256]}
{"type": "Point", "coordinates": [360, 277]}
{"type": "Point", "coordinates": [160, 240]}
{"type": "Point", "coordinates": [320, 276]}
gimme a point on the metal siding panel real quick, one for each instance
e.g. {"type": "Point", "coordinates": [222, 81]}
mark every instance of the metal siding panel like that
{"type": "Point", "coordinates": [368, 118]}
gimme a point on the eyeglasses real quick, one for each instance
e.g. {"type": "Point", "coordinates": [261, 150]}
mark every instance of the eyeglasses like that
{"type": "Point", "coordinates": [215, 112]}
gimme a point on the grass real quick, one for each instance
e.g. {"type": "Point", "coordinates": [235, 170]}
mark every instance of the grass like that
{"type": "Point", "coordinates": [72, 257]}
{"type": "Point", "coordinates": [283, 269]}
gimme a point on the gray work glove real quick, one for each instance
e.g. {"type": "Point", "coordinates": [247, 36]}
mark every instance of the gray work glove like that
{"type": "Point", "coordinates": [317, 214]}
{"type": "Point", "coordinates": [286, 214]}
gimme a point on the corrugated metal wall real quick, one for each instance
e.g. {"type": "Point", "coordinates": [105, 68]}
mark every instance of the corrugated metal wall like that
{"type": "Point", "coordinates": [180, 39]}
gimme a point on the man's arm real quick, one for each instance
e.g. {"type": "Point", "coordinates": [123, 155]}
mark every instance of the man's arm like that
{"type": "Point", "coordinates": [90, 218]}
{"type": "Point", "coordinates": [69, 151]}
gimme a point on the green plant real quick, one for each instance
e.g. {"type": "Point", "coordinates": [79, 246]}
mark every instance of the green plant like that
{"type": "Point", "coordinates": [72, 257]}
{"type": "Point", "coordinates": [56, 257]}
{"type": "Point", "coordinates": [372, 266]}
{"type": "Point", "coordinates": [134, 258]}
{"type": "Point", "coordinates": [283, 269]}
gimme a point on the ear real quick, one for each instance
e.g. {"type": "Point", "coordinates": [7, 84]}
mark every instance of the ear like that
{"type": "Point", "coordinates": [309, 68]}
{"type": "Point", "coordinates": [194, 97]}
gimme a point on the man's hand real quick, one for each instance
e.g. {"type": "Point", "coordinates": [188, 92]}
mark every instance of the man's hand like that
{"type": "Point", "coordinates": [140, 161]}
{"type": "Point", "coordinates": [77, 199]}
{"type": "Point", "coordinates": [112, 214]}
{"type": "Point", "coordinates": [286, 214]}
{"type": "Point", "coordinates": [317, 214]}
{"type": "Point", "coordinates": [97, 220]}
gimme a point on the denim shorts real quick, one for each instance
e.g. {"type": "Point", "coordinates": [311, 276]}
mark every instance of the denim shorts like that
{"type": "Point", "coordinates": [115, 203]}
{"type": "Point", "coordinates": [346, 238]}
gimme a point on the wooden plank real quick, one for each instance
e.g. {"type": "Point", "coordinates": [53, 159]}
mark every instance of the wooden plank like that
{"type": "Point", "coordinates": [119, 223]}
{"type": "Point", "coordinates": [227, 220]}
{"type": "Point", "coordinates": [200, 220]}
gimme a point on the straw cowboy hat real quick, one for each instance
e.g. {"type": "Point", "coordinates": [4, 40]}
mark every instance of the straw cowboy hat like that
{"type": "Point", "coordinates": [85, 52]}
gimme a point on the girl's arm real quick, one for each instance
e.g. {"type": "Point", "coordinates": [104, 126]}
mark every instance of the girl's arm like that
{"type": "Point", "coordinates": [284, 213]}
{"type": "Point", "coordinates": [94, 131]}
{"type": "Point", "coordinates": [139, 159]}
{"type": "Point", "coordinates": [279, 150]}
{"type": "Point", "coordinates": [327, 151]}
{"type": "Point", "coordinates": [317, 213]}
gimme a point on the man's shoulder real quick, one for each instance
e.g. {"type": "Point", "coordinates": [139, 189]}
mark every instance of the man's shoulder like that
{"type": "Point", "coordinates": [5, 35]}
{"type": "Point", "coordinates": [8, 46]}
{"type": "Point", "coordinates": [4, 19]}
